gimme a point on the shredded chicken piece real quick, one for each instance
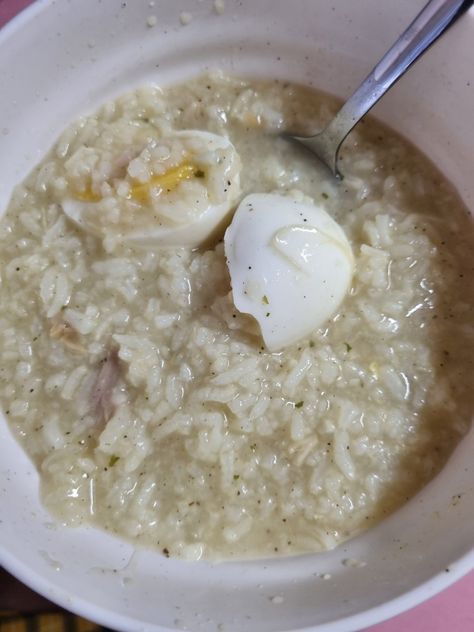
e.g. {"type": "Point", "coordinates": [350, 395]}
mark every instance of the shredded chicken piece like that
{"type": "Point", "coordinates": [303, 448]}
{"type": "Point", "coordinates": [64, 332]}
{"type": "Point", "coordinates": [119, 166]}
{"type": "Point", "coordinates": [102, 406]}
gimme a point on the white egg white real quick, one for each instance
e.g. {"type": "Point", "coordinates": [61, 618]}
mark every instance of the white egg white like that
{"type": "Point", "coordinates": [290, 265]}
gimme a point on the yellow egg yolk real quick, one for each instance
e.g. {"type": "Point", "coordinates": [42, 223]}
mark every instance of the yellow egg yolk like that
{"type": "Point", "coordinates": [167, 181]}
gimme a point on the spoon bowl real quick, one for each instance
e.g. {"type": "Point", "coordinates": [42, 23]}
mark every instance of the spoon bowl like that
{"type": "Point", "coordinates": [432, 21]}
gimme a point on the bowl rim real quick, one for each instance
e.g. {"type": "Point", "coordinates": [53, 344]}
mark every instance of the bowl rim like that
{"type": "Point", "coordinates": [104, 616]}
{"type": "Point", "coordinates": [359, 621]}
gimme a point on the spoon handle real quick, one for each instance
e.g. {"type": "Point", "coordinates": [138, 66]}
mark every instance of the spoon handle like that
{"type": "Point", "coordinates": [429, 24]}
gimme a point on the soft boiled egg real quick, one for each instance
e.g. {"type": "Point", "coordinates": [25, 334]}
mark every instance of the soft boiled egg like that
{"type": "Point", "coordinates": [290, 265]}
{"type": "Point", "coordinates": [175, 191]}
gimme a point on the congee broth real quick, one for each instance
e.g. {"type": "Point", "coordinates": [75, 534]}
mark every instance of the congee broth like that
{"type": "Point", "coordinates": [155, 409]}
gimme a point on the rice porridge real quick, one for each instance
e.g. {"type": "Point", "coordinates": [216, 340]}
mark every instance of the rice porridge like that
{"type": "Point", "coordinates": [152, 407]}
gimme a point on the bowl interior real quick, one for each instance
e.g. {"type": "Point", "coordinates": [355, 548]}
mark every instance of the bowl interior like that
{"type": "Point", "coordinates": [62, 59]}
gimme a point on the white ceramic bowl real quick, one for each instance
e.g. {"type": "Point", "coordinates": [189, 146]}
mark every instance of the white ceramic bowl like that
{"type": "Point", "coordinates": [62, 58]}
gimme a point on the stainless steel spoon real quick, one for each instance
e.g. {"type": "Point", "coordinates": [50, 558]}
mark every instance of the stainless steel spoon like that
{"type": "Point", "coordinates": [430, 23]}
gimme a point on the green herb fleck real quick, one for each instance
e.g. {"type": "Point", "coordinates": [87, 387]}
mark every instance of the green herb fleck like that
{"type": "Point", "coordinates": [113, 460]}
{"type": "Point", "coordinates": [265, 300]}
{"type": "Point", "coordinates": [348, 346]}
{"type": "Point", "coordinates": [236, 477]}
{"type": "Point", "coordinates": [199, 173]}
{"type": "Point", "coordinates": [312, 343]}
{"type": "Point", "coordinates": [267, 314]}
{"type": "Point", "coordinates": [253, 446]}
{"type": "Point", "coordinates": [324, 195]}
{"type": "Point", "coordinates": [299, 404]}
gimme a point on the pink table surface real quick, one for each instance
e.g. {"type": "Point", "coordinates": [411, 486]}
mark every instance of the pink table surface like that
{"type": "Point", "coordinates": [453, 609]}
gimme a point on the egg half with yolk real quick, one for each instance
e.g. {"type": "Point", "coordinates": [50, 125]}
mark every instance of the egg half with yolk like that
{"type": "Point", "coordinates": [175, 191]}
